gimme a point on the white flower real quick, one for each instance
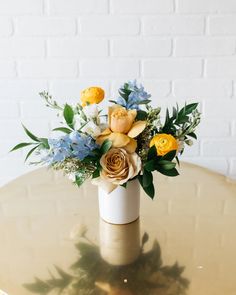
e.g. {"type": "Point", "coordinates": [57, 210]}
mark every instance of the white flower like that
{"type": "Point", "coordinates": [78, 122]}
{"type": "Point", "coordinates": [91, 129]}
{"type": "Point", "coordinates": [71, 176]}
{"type": "Point", "coordinates": [91, 111]}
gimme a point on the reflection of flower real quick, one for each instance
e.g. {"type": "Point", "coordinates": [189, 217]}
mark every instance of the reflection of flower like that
{"type": "Point", "coordinates": [92, 95]}
{"type": "Point", "coordinates": [87, 120]}
{"type": "Point", "coordinates": [94, 276]}
{"type": "Point", "coordinates": [78, 231]}
{"type": "Point", "coordinates": [164, 143]}
{"type": "Point", "coordinates": [118, 167]}
{"type": "Point", "coordinates": [122, 128]}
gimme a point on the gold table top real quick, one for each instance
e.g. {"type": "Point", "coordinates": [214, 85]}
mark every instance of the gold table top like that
{"type": "Point", "coordinates": [191, 221]}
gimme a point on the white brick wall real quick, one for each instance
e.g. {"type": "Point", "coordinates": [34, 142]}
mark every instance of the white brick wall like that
{"type": "Point", "coordinates": [180, 49]}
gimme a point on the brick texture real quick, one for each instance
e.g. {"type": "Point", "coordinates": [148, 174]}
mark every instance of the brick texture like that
{"type": "Point", "coordinates": [181, 50]}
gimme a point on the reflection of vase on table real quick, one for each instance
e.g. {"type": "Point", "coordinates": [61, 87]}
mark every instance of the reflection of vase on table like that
{"type": "Point", "coordinates": [120, 244]}
{"type": "Point", "coordinates": [112, 270]}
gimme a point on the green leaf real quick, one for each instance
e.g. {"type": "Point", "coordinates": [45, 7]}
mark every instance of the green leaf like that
{"type": "Point", "coordinates": [63, 129]}
{"type": "Point", "coordinates": [30, 152]}
{"type": "Point", "coordinates": [106, 146]}
{"type": "Point", "coordinates": [152, 153]}
{"type": "Point", "coordinates": [167, 165]}
{"type": "Point", "coordinates": [79, 181]}
{"type": "Point", "coordinates": [150, 165]}
{"type": "Point", "coordinates": [190, 108]}
{"type": "Point", "coordinates": [192, 134]}
{"type": "Point", "coordinates": [177, 160]}
{"type": "Point", "coordinates": [147, 178]}
{"type": "Point", "coordinates": [172, 172]}
{"type": "Point", "coordinates": [145, 101]}
{"type": "Point", "coordinates": [167, 117]}
{"type": "Point", "coordinates": [31, 135]}
{"type": "Point", "coordinates": [20, 146]}
{"type": "Point", "coordinates": [44, 143]}
{"type": "Point", "coordinates": [125, 92]}
{"type": "Point", "coordinates": [113, 101]}
{"type": "Point", "coordinates": [96, 174]}
{"type": "Point", "coordinates": [68, 115]}
{"type": "Point", "coordinates": [182, 119]}
{"type": "Point", "coordinates": [149, 190]}
{"type": "Point", "coordinates": [141, 115]}
{"type": "Point", "coordinates": [124, 185]}
{"type": "Point", "coordinates": [169, 156]}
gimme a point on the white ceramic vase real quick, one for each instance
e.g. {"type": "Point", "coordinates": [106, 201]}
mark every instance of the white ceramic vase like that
{"type": "Point", "coordinates": [120, 244]}
{"type": "Point", "coordinates": [122, 205]}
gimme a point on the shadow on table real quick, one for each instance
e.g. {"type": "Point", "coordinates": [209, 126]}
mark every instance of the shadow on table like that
{"type": "Point", "coordinates": [120, 265]}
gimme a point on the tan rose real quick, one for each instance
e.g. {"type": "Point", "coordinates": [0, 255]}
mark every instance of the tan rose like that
{"type": "Point", "coordinates": [118, 166]}
{"type": "Point", "coordinates": [122, 128]}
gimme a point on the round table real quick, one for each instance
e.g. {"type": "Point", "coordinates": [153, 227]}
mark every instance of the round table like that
{"type": "Point", "coordinates": [53, 241]}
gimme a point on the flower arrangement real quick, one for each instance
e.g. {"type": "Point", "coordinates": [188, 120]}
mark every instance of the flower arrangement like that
{"type": "Point", "coordinates": [129, 142]}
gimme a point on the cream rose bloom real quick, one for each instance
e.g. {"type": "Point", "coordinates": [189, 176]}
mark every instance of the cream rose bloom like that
{"type": "Point", "coordinates": [118, 166]}
{"type": "Point", "coordinates": [122, 129]}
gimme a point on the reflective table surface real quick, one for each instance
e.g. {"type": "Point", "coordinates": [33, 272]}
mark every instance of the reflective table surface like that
{"type": "Point", "coordinates": [53, 242]}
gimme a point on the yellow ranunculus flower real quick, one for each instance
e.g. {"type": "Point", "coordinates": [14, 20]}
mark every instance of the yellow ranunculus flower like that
{"type": "Point", "coordinates": [164, 143]}
{"type": "Point", "coordinates": [92, 95]}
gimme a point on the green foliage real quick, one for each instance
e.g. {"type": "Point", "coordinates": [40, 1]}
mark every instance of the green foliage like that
{"type": "Point", "coordinates": [96, 173]}
{"type": "Point", "coordinates": [30, 152]}
{"type": "Point", "coordinates": [30, 134]}
{"type": "Point", "coordinates": [107, 144]}
{"type": "Point", "coordinates": [38, 142]}
{"type": "Point", "coordinates": [63, 129]}
{"type": "Point", "coordinates": [49, 101]}
{"type": "Point", "coordinates": [163, 164]}
{"type": "Point", "coordinates": [21, 145]}
{"type": "Point", "coordinates": [184, 121]}
{"type": "Point", "coordinates": [68, 114]}
{"type": "Point", "coordinates": [147, 185]}
{"type": "Point", "coordinates": [125, 91]}
{"type": "Point", "coordinates": [141, 115]}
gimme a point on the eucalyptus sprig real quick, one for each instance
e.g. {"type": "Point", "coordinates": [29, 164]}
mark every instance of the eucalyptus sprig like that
{"type": "Point", "coordinates": [37, 142]}
{"type": "Point", "coordinates": [50, 102]}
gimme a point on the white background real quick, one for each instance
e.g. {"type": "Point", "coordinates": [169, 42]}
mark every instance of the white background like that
{"type": "Point", "coordinates": [181, 50]}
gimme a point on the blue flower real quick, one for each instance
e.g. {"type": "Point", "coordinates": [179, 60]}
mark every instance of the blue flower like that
{"type": "Point", "coordinates": [59, 150]}
{"type": "Point", "coordinates": [82, 145]}
{"type": "Point", "coordinates": [73, 145]}
{"type": "Point", "coordinates": [135, 95]}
